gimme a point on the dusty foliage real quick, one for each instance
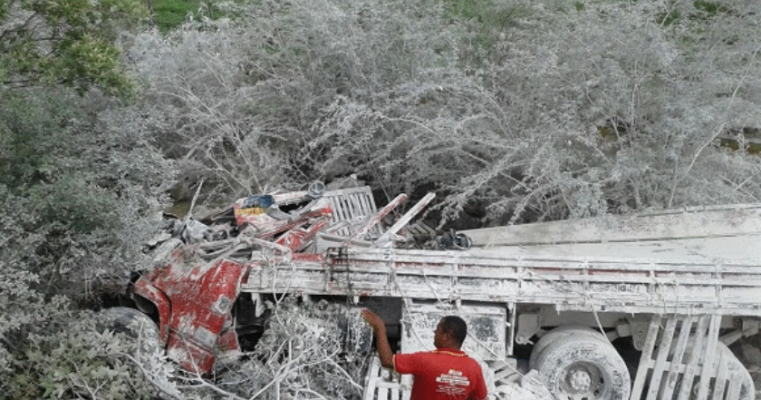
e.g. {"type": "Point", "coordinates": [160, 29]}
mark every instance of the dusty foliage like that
{"type": "Point", "coordinates": [78, 198]}
{"type": "Point", "coordinates": [73, 355]}
{"type": "Point", "coordinates": [527, 109]}
{"type": "Point", "coordinates": [308, 351]}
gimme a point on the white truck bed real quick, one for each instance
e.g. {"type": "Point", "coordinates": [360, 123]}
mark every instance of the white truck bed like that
{"type": "Point", "coordinates": [698, 261]}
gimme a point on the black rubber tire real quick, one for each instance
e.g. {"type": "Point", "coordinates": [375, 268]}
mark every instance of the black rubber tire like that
{"type": "Point", "coordinates": [564, 330]}
{"type": "Point", "coordinates": [747, 388]}
{"type": "Point", "coordinates": [132, 322]}
{"type": "Point", "coordinates": [576, 365]}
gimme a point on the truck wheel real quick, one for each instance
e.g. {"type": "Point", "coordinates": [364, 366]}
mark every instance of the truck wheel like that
{"type": "Point", "coordinates": [583, 367]}
{"type": "Point", "coordinates": [132, 322]}
{"type": "Point", "coordinates": [733, 365]}
{"type": "Point", "coordinates": [747, 388]}
{"type": "Point", "coordinates": [564, 330]}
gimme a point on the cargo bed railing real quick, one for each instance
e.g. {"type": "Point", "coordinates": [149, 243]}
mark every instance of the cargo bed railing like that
{"type": "Point", "coordinates": [579, 284]}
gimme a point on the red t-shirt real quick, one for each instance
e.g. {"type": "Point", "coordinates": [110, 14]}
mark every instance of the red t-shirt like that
{"type": "Point", "coordinates": [444, 374]}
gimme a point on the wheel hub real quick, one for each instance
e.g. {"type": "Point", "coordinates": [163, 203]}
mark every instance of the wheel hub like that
{"type": "Point", "coordinates": [582, 381]}
{"type": "Point", "coordinates": [579, 380]}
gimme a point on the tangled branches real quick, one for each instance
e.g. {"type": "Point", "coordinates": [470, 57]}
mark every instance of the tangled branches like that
{"type": "Point", "coordinates": [308, 351]}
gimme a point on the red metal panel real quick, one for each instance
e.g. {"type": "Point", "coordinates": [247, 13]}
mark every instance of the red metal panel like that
{"type": "Point", "coordinates": [145, 289]}
{"type": "Point", "coordinates": [201, 300]}
{"type": "Point", "coordinates": [298, 238]}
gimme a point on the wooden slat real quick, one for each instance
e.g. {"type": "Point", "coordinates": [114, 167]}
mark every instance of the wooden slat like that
{"type": "Point", "coordinates": [382, 384]}
{"type": "Point", "coordinates": [709, 366]}
{"type": "Point", "coordinates": [735, 386]}
{"type": "Point", "coordinates": [396, 393]}
{"type": "Point", "coordinates": [373, 376]}
{"type": "Point", "coordinates": [406, 381]}
{"type": "Point", "coordinates": [663, 351]}
{"type": "Point", "coordinates": [508, 283]}
{"type": "Point", "coordinates": [344, 210]}
{"type": "Point", "coordinates": [689, 372]}
{"type": "Point", "coordinates": [382, 393]}
{"type": "Point", "coordinates": [721, 377]}
{"type": "Point", "coordinates": [407, 217]}
{"type": "Point", "coordinates": [565, 297]}
{"type": "Point", "coordinates": [646, 358]}
{"type": "Point", "coordinates": [350, 205]}
{"type": "Point", "coordinates": [373, 220]}
{"type": "Point", "coordinates": [676, 361]}
{"type": "Point", "coordinates": [351, 208]}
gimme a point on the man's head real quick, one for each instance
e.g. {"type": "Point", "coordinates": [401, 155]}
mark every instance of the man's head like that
{"type": "Point", "coordinates": [450, 332]}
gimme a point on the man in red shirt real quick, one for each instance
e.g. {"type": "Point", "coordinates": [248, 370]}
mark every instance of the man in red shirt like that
{"type": "Point", "coordinates": [446, 373]}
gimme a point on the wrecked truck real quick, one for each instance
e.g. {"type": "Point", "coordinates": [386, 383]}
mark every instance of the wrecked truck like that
{"type": "Point", "coordinates": [616, 307]}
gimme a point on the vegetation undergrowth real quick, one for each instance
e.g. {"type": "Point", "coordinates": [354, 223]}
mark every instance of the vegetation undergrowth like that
{"type": "Point", "coordinates": [511, 112]}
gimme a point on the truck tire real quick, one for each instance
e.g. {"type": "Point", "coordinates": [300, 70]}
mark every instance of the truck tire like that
{"type": "Point", "coordinates": [747, 387]}
{"type": "Point", "coordinates": [564, 330]}
{"type": "Point", "coordinates": [733, 365]}
{"type": "Point", "coordinates": [134, 323]}
{"type": "Point", "coordinates": [580, 366]}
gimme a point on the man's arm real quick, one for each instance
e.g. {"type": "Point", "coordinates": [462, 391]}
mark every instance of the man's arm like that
{"type": "Point", "coordinates": [381, 340]}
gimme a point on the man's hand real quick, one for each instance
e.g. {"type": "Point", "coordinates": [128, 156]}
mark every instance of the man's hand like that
{"type": "Point", "coordinates": [384, 349]}
{"type": "Point", "coordinates": [373, 320]}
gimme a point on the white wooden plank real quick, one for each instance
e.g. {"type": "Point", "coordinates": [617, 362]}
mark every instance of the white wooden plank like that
{"type": "Point", "coordinates": [351, 210]}
{"type": "Point", "coordinates": [663, 351]}
{"type": "Point", "coordinates": [407, 381]}
{"type": "Point", "coordinates": [676, 366]}
{"type": "Point", "coordinates": [387, 385]}
{"type": "Point", "coordinates": [689, 373]}
{"type": "Point", "coordinates": [343, 212]}
{"type": "Point", "coordinates": [735, 386]}
{"type": "Point", "coordinates": [373, 376]}
{"type": "Point", "coordinates": [356, 206]}
{"type": "Point", "coordinates": [335, 204]}
{"type": "Point", "coordinates": [709, 365]}
{"type": "Point", "coordinates": [396, 391]}
{"type": "Point", "coordinates": [382, 393]}
{"type": "Point", "coordinates": [645, 358]}
{"type": "Point", "coordinates": [721, 377]}
{"type": "Point", "coordinates": [493, 270]}
{"type": "Point", "coordinates": [407, 217]}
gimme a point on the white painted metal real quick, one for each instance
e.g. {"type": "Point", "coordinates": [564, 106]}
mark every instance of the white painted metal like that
{"type": "Point", "coordinates": [572, 284]}
{"type": "Point", "coordinates": [695, 222]}
{"type": "Point", "coordinates": [486, 328]}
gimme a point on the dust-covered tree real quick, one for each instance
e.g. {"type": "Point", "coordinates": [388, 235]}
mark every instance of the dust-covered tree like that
{"type": "Point", "coordinates": [79, 194]}
{"type": "Point", "coordinates": [529, 109]}
{"type": "Point", "coordinates": [69, 42]}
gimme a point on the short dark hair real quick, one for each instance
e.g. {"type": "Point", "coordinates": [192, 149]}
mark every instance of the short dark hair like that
{"type": "Point", "coordinates": [456, 326]}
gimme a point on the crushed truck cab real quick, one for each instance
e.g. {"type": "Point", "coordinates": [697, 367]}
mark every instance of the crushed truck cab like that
{"type": "Point", "coordinates": [194, 305]}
